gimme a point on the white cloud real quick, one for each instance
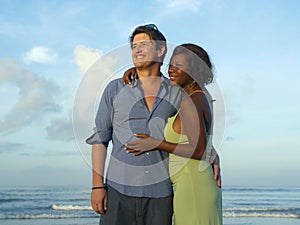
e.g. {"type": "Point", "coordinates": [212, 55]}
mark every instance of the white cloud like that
{"type": "Point", "coordinates": [41, 54]}
{"type": "Point", "coordinates": [85, 57]}
{"type": "Point", "coordinates": [9, 70]}
{"type": "Point", "coordinates": [60, 129]}
{"type": "Point", "coordinates": [37, 97]}
{"type": "Point", "coordinates": [97, 70]}
{"type": "Point", "coordinates": [108, 67]}
{"type": "Point", "coordinates": [94, 81]}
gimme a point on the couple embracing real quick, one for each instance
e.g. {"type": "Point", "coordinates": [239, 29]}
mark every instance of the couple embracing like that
{"type": "Point", "coordinates": [161, 133]}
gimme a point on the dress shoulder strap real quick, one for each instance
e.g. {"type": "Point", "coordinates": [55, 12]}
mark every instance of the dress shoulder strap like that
{"type": "Point", "coordinates": [196, 91]}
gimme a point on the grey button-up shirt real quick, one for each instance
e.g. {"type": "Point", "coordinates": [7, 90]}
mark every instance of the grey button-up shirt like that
{"type": "Point", "coordinates": [123, 112]}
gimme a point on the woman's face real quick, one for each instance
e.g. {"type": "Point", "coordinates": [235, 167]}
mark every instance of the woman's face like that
{"type": "Point", "coordinates": [178, 70]}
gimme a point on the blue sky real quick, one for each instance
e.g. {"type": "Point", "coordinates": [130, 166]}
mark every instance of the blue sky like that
{"type": "Point", "coordinates": [47, 46]}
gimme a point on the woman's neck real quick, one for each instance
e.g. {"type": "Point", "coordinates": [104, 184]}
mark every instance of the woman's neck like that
{"type": "Point", "coordinates": [192, 89]}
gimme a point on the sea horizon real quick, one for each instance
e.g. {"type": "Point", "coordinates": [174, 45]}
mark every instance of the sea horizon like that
{"type": "Point", "coordinates": [70, 205]}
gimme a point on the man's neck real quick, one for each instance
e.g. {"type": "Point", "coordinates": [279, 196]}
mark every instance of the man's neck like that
{"type": "Point", "coordinates": [150, 71]}
{"type": "Point", "coordinates": [150, 80]}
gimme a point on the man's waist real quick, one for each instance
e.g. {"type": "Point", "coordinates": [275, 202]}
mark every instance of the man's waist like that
{"type": "Point", "coordinates": [158, 190]}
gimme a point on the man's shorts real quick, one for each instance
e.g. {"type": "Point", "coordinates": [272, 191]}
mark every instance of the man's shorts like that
{"type": "Point", "coordinates": [127, 210]}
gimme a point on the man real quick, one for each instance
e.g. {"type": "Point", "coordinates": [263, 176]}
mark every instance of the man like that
{"type": "Point", "coordinates": [138, 190]}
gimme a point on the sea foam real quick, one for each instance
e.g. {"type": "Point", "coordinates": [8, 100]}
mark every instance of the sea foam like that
{"type": "Point", "coordinates": [71, 207]}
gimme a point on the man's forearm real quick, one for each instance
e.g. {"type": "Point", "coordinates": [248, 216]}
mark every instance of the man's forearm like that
{"type": "Point", "coordinates": [98, 163]}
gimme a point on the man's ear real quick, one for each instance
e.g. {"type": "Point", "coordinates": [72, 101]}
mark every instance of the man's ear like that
{"type": "Point", "coordinates": [161, 51]}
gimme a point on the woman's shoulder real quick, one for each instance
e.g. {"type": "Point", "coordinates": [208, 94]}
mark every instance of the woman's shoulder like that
{"type": "Point", "coordinates": [197, 98]}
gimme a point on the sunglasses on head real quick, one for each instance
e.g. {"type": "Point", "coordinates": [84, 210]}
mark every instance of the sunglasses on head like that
{"type": "Point", "coordinates": [151, 26]}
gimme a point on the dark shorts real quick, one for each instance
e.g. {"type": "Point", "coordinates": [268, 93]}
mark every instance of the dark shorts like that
{"type": "Point", "coordinates": [126, 210]}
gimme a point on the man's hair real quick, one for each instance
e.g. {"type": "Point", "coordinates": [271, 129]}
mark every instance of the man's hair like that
{"type": "Point", "coordinates": [152, 31]}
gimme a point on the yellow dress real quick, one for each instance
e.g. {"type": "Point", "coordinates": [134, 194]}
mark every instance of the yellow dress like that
{"type": "Point", "coordinates": [197, 198]}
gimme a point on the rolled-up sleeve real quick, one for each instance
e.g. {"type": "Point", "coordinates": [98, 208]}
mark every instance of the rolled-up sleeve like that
{"type": "Point", "coordinates": [103, 130]}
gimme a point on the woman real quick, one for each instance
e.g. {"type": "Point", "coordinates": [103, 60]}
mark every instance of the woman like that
{"type": "Point", "coordinates": [197, 198]}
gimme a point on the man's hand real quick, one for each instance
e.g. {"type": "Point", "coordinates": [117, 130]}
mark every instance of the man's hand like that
{"type": "Point", "coordinates": [217, 173]}
{"type": "Point", "coordinates": [215, 162]}
{"type": "Point", "coordinates": [99, 200]}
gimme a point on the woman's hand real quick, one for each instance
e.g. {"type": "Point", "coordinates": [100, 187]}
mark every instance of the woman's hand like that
{"type": "Point", "coordinates": [138, 147]}
{"type": "Point", "coordinates": [128, 76]}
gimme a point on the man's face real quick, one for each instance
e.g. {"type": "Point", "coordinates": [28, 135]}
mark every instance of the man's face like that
{"type": "Point", "coordinates": [144, 51]}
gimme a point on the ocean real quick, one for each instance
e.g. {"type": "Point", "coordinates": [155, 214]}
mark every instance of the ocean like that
{"type": "Point", "coordinates": [70, 205]}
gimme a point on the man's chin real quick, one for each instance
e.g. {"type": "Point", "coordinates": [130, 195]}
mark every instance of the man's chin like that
{"type": "Point", "coordinates": [140, 64]}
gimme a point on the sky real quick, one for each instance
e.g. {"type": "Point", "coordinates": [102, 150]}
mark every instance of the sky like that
{"type": "Point", "coordinates": [47, 48]}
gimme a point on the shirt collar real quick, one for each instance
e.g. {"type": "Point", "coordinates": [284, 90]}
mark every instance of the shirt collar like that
{"type": "Point", "coordinates": [164, 81]}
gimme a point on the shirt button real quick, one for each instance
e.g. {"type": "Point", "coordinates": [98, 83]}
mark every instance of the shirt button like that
{"type": "Point", "coordinates": [147, 171]}
{"type": "Point", "coordinates": [147, 153]}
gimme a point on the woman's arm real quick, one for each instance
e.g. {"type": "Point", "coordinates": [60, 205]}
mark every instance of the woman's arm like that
{"type": "Point", "coordinates": [148, 143]}
{"type": "Point", "coordinates": [191, 109]}
{"type": "Point", "coordinates": [194, 123]}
